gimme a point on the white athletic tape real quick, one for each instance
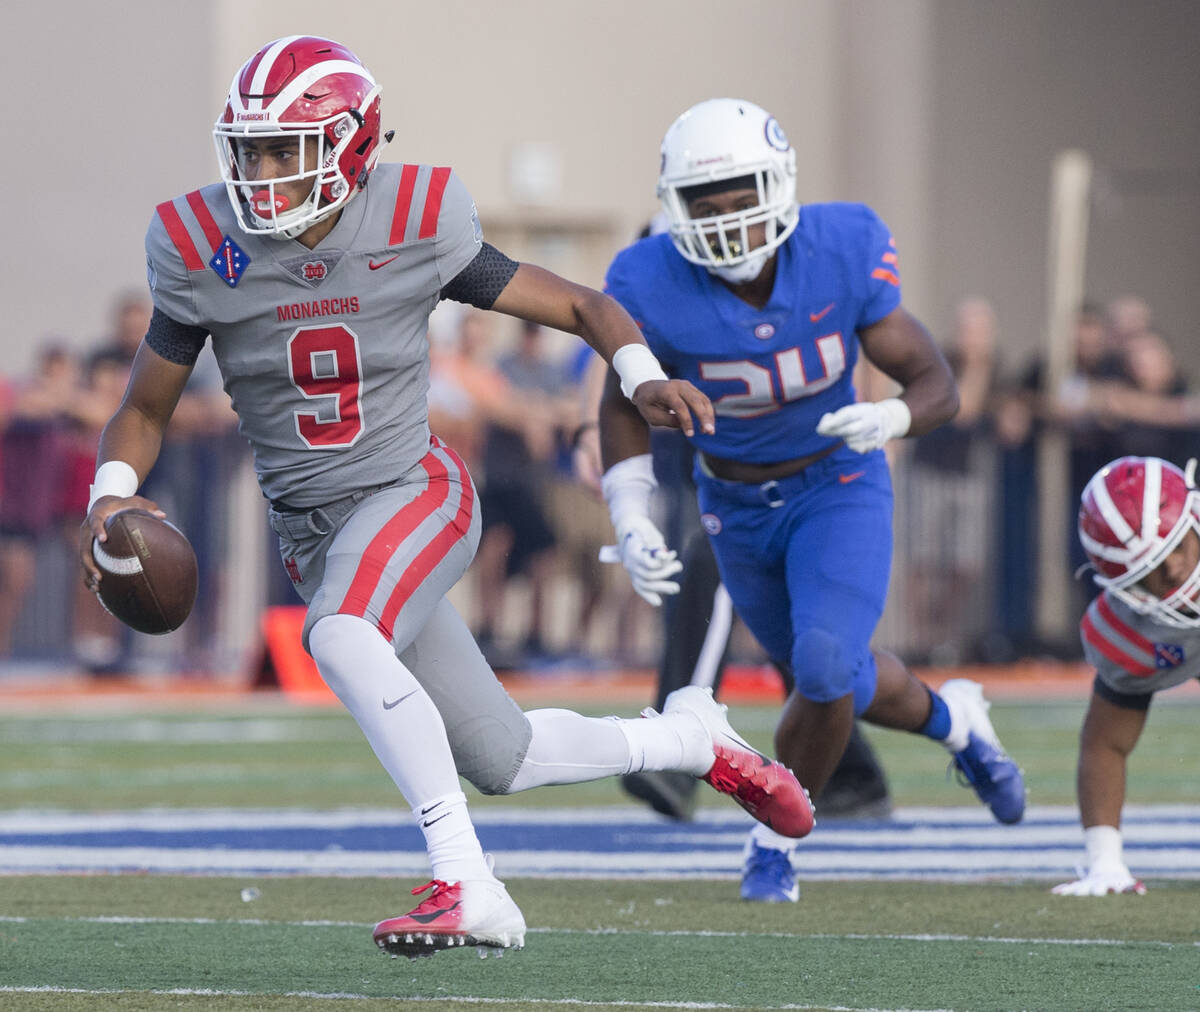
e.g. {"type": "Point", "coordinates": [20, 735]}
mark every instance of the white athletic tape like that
{"type": "Point", "coordinates": [128, 566]}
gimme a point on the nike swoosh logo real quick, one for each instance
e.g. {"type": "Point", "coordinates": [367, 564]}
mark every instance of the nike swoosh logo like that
{"type": "Point", "coordinates": [436, 804]}
{"type": "Point", "coordinates": [426, 918]}
{"type": "Point", "coordinates": [745, 746]}
{"type": "Point", "coordinates": [371, 264]}
{"type": "Point", "coordinates": [813, 317]}
{"type": "Point", "coordinates": [429, 822]}
{"type": "Point", "coordinates": [845, 479]}
{"type": "Point", "coordinates": [397, 702]}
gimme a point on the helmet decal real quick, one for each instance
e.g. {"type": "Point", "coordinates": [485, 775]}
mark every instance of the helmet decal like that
{"type": "Point", "coordinates": [775, 135]}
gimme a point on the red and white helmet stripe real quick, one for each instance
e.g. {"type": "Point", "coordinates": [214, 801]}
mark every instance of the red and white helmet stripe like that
{"type": "Point", "coordinates": [1133, 513]}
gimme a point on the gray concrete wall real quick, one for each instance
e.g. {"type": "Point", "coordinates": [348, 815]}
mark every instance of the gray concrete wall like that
{"type": "Point", "coordinates": [944, 114]}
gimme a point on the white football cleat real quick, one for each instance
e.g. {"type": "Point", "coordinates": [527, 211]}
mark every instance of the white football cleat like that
{"type": "Point", "coordinates": [764, 788]}
{"type": "Point", "coordinates": [475, 912]}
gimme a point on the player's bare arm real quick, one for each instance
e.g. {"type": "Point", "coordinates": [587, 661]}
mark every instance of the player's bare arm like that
{"type": "Point", "coordinates": [623, 431]}
{"type": "Point", "coordinates": [539, 295]}
{"type": "Point", "coordinates": [1109, 735]}
{"type": "Point", "coordinates": [134, 436]}
{"type": "Point", "coordinates": [902, 348]}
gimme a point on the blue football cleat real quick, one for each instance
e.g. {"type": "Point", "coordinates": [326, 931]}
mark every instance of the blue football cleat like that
{"type": "Point", "coordinates": [983, 764]}
{"type": "Point", "coordinates": [767, 876]}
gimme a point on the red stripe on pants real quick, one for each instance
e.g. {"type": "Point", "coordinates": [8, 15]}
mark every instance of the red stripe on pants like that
{"type": "Point", "coordinates": [433, 553]}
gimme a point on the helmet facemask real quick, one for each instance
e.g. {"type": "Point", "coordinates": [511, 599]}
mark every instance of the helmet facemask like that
{"type": "Point", "coordinates": [268, 212]}
{"type": "Point", "coordinates": [722, 243]}
{"type": "Point", "coordinates": [719, 145]}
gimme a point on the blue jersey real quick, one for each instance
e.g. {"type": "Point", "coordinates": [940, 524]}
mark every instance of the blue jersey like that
{"type": "Point", "coordinates": [771, 373]}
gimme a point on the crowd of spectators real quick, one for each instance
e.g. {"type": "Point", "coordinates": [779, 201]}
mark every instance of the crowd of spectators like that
{"type": "Point", "coordinates": [508, 401]}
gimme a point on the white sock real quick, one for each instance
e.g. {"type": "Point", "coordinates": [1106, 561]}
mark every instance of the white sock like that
{"type": "Point", "coordinates": [678, 742]}
{"type": "Point", "coordinates": [765, 837]}
{"type": "Point", "coordinates": [405, 731]}
{"type": "Point", "coordinates": [569, 748]}
{"type": "Point", "coordinates": [454, 849]}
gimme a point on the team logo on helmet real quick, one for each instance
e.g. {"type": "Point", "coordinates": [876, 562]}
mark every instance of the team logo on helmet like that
{"type": "Point", "coordinates": [775, 135]}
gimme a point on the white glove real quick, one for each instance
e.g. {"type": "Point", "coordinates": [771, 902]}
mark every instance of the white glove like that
{"type": "Point", "coordinates": [1101, 880]}
{"type": "Point", "coordinates": [867, 425]}
{"type": "Point", "coordinates": [641, 549]}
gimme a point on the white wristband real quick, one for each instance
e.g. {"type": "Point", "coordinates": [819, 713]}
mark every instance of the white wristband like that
{"type": "Point", "coordinates": [635, 364]}
{"type": "Point", "coordinates": [1103, 845]}
{"type": "Point", "coordinates": [113, 477]}
{"type": "Point", "coordinates": [899, 417]}
{"type": "Point", "coordinates": [627, 487]}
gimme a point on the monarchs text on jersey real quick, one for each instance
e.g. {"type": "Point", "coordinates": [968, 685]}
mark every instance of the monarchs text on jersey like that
{"type": "Point", "coordinates": [772, 372]}
{"type": "Point", "coordinates": [324, 351]}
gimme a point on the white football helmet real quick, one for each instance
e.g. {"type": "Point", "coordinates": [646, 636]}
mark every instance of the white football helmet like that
{"type": "Point", "coordinates": [313, 89]}
{"type": "Point", "coordinates": [1133, 513]}
{"type": "Point", "coordinates": [727, 139]}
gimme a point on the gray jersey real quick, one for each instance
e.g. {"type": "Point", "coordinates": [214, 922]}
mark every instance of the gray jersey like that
{"type": "Point", "coordinates": [1135, 654]}
{"type": "Point", "coordinates": [323, 352]}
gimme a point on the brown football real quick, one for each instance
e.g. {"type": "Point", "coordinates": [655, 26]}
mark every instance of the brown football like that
{"type": "Point", "coordinates": [148, 571]}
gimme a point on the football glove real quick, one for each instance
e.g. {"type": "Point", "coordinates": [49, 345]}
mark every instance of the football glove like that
{"type": "Point", "coordinates": [641, 549]}
{"type": "Point", "coordinates": [1101, 880]}
{"type": "Point", "coordinates": [866, 426]}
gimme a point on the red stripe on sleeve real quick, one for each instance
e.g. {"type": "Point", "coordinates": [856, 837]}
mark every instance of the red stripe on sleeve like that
{"type": "Point", "coordinates": [1123, 628]}
{"type": "Point", "coordinates": [207, 221]}
{"type": "Point", "coordinates": [883, 274]}
{"type": "Point", "coordinates": [1110, 649]}
{"type": "Point", "coordinates": [433, 202]}
{"type": "Point", "coordinates": [404, 195]}
{"type": "Point", "coordinates": [179, 236]}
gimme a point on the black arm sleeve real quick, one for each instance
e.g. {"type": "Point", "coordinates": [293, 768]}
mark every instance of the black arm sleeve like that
{"type": "Point", "coordinates": [483, 279]}
{"type": "Point", "coordinates": [176, 342]}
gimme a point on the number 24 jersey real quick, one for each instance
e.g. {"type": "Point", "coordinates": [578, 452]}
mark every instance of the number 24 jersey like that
{"type": "Point", "coordinates": [772, 372]}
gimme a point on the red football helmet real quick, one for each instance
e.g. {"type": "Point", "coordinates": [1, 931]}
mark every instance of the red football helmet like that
{"type": "Point", "coordinates": [315, 90]}
{"type": "Point", "coordinates": [1133, 514]}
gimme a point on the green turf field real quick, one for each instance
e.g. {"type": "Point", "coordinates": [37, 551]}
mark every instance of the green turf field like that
{"type": "Point", "coordinates": [267, 753]}
{"type": "Point", "coordinates": [78, 942]}
{"type": "Point", "coordinates": [305, 942]}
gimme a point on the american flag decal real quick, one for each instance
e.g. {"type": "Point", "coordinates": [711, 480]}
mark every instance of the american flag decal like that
{"type": "Point", "coordinates": [230, 262]}
{"type": "Point", "coordinates": [1168, 655]}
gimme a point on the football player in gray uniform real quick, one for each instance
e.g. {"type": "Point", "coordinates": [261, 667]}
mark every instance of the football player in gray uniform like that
{"type": "Point", "coordinates": [316, 289]}
{"type": "Point", "coordinates": [1139, 522]}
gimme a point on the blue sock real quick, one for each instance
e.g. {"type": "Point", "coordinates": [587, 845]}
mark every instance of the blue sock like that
{"type": "Point", "coordinates": [937, 726]}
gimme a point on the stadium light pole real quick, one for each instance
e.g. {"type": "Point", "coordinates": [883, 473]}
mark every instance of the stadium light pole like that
{"type": "Point", "coordinates": [1070, 188]}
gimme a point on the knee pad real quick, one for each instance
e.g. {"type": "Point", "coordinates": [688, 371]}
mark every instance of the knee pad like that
{"type": "Point", "coordinates": [821, 666]}
{"type": "Point", "coordinates": [488, 751]}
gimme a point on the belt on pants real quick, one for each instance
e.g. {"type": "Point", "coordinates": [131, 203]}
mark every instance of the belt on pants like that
{"type": "Point", "coordinates": [324, 518]}
{"type": "Point", "coordinates": [756, 474]}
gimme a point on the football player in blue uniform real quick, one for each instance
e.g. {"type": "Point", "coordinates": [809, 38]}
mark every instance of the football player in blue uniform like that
{"type": "Point", "coordinates": [765, 306]}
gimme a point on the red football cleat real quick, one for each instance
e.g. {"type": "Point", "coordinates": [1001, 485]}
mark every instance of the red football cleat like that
{"type": "Point", "coordinates": [476, 912]}
{"type": "Point", "coordinates": [764, 788]}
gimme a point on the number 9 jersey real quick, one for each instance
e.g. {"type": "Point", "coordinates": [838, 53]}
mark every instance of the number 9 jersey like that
{"type": "Point", "coordinates": [771, 373]}
{"type": "Point", "coordinates": [324, 352]}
